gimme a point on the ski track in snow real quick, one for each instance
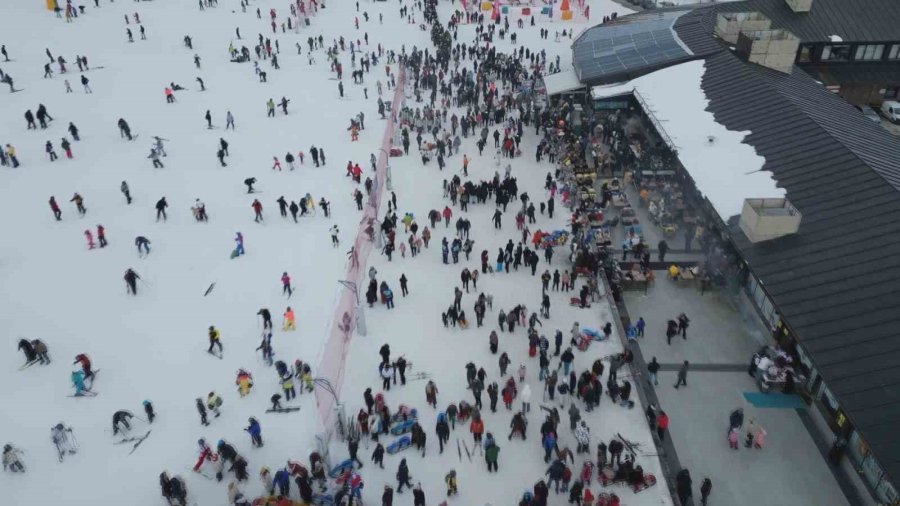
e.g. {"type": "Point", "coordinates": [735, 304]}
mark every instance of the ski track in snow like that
{"type": "Point", "coordinates": [152, 346]}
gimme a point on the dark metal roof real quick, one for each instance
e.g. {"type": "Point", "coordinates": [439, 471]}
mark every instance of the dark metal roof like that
{"type": "Point", "coordinates": [837, 281]}
{"type": "Point", "coordinates": [852, 20]}
{"type": "Point", "coordinates": [857, 73]}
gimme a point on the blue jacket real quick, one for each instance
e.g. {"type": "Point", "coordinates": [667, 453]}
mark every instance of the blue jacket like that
{"type": "Point", "coordinates": [282, 478]}
{"type": "Point", "coordinates": [254, 429]}
{"type": "Point", "coordinates": [549, 442]}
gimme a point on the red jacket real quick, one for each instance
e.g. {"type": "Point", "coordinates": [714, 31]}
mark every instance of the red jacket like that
{"type": "Point", "coordinates": [662, 421]}
{"type": "Point", "coordinates": [257, 205]}
{"type": "Point", "coordinates": [447, 212]}
{"type": "Point", "coordinates": [476, 427]}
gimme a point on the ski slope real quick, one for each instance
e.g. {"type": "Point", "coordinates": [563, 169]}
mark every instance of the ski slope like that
{"type": "Point", "coordinates": [152, 346]}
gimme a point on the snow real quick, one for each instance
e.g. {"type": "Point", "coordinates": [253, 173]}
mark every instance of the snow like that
{"type": "Point", "coordinates": [835, 38]}
{"type": "Point", "coordinates": [561, 82]}
{"type": "Point", "coordinates": [725, 169]}
{"type": "Point", "coordinates": [152, 346]}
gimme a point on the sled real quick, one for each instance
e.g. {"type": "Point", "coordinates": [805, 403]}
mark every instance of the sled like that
{"type": "Point", "coordinates": [399, 445]}
{"type": "Point", "coordinates": [403, 427]}
{"type": "Point", "coordinates": [412, 414]}
{"type": "Point", "coordinates": [339, 469]}
{"type": "Point", "coordinates": [575, 301]}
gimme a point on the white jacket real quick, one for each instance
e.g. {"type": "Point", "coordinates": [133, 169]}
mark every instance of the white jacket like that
{"type": "Point", "coordinates": [526, 393]}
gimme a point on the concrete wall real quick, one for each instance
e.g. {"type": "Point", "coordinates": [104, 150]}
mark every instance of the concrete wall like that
{"type": "Point", "coordinates": [730, 25]}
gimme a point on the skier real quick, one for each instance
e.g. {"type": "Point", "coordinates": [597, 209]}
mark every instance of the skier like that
{"type": "Point", "coordinates": [214, 340]}
{"type": "Point", "coordinates": [201, 408]}
{"type": "Point", "coordinates": [101, 236]}
{"type": "Point", "coordinates": [121, 418]}
{"type": "Point", "coordinates": [148, 410]}
{"type": "Point", "coordinates": [249, 182]}
{"type": "Point", "coordinates": [11, 460]}
{"type": "Point", "coordinates": [161, 206]}
{"type": "Point", "coordinates": [124, 129]}
{"type": "Point", "coordinates": [142, 243]}
{"type": "Point", "coordinates": [90, 239]}
{"type": "Point", "coordinates": [289, 320]}
{"type": "Point", "coordinates": [213, 403]}
{"type": "Point", "coordinates": [334, 236]}
{"type": "Point", "coordinates": [257, 210]}
{"type": "Point", "coordinates": [266, 316]}
{"type": "Point", "coordinates": [286, 285]}
{"type": "Point", "coordinates": [238, 244]}
{"type": "Point", "coordinates": [60, 435]}
{"type": "Point", "coordinates": [67, 147]}
{"type": "Point", "coordinates": [57, 213]}
{"type": "Point", "coordinates": [79, 203]}
{"type": "Point", "coordinates": [229, 120]}
{"type": "Point", "coordinates": [85, 362]}
{"type": "Point", "coordinates": [77, 378]}
{"type": "Point", "coordinates": [244, 382]}
{"type": "Point", "coordinates": [154, 157]}
{"type": "Point", "coordinates": [125, 191]}
{"type": "Point", "coordinates": [255, 432]}
{"type": "Point", "coordinates": [131, 278]}
{"type": "Point", "coordinates": [73, 130]}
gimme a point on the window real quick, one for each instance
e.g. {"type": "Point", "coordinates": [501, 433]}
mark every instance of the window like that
{"type": "Point", "coordinates": [806, 52]}
{"type": "Point", "coordinates": [894, 52]}
{"type": "Point", "coordinates": [836, 52]}
{"type": "Point", "coordinates": [869, 52]}
{"type": "Point", "coordinates": [891, 92]}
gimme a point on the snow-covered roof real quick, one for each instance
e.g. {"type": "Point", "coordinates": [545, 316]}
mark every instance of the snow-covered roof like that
{"type": "Point", "coordinates": [724, 168]}
{"type": "Point", "coordinates": [561, 82]}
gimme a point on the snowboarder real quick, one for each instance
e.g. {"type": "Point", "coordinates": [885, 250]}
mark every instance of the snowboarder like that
{"type": "Point", "coordinates": [131, 278]}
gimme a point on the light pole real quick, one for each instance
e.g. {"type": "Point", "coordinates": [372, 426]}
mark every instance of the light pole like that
{"type": "Point", "coordinates": [360, 315]}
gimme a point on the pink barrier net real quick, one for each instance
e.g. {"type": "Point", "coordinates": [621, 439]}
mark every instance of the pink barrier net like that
{"type": "Point", "coordinates": [337, 345]}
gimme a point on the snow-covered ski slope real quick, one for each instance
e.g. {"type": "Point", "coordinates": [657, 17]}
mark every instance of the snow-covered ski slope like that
{"type": "Point", "coordinates": [153, 346]}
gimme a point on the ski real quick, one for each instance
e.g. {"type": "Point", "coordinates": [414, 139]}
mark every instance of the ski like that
{"type": "Point", "coordinates": [26, 365]}
{"type": "Point", "coordinates": [201, 473]}
{"type": "Point", "coordinates": [458, 450]}
{"type": "Point", "coordinates": [85, 393]}
{"type": "Point", "coordinates": [282, 410]}
{"type": "Point", "coordinates": [129, 439]}
{"type": "Point", "coordinates": [214, 354]}
{"type": "Point", "coordinates": [466, 446]}
{"type": "Point", "coordinates": [210, 289]}
{"type": "Point", "coordinates": [140, 440]}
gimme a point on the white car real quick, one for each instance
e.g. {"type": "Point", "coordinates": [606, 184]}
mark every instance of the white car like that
{"type": "Point", "coordinates": [891, 110]}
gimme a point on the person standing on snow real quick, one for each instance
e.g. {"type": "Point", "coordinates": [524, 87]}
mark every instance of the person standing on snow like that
{"type": "Point", "coordinates": [286, 285]}
{"type": "Point", "coordinates": [131, 278]}
{"type": "Point", "coordinates": [267, 318]}
{"type": "Point", "coordinates": [214, 340]}
{"type": "Point", "coordinates": [257, 210]}
{"type": "Point", "coordinates": [57, 213]}
{"type": "Point", "coordinates": [161, 206]}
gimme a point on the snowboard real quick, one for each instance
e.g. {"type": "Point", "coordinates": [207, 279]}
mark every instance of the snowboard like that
{"type": "Point", "coordinates": [282, 410]}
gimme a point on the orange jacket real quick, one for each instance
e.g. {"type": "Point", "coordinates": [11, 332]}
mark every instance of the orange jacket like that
{"type": "Point", "coordinates": [289, 315]}
{"type": "Point", "coordinates": [476, 427]}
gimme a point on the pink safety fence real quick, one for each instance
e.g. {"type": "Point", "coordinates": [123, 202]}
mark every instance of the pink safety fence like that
{"type": "Point", "coordinates": [337, 345]}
